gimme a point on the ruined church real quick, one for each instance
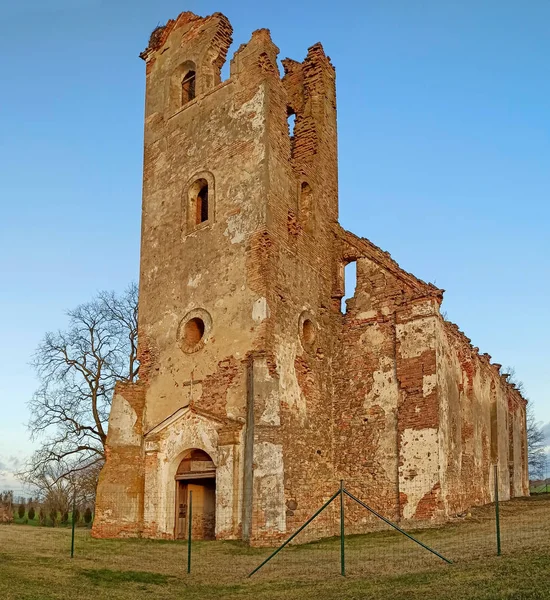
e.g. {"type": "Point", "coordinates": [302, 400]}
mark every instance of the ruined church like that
{"type": "Point", "coordinates": [258, 392]}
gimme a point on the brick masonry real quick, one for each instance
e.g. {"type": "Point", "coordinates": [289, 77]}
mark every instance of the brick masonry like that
{"type": "Point", "coordinates": [285, 392]}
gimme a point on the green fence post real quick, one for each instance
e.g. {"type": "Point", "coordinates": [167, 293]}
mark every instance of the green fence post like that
{"type": "Point", "coordinates": [189, 530]}
{"type": "Point", "coordinates": [497, 512]}
{"type": "Point", "coordinates": [342, 531]}
{"type": "Point", "coordinates": [73, 525]}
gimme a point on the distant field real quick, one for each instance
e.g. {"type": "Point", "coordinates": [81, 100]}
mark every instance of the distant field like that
{"type": "Point", "coordinates": [35, 564]}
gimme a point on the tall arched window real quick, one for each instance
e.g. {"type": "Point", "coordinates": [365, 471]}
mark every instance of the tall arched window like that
{"type": "Point", "coordinates": [202, 204]}
{"type": "Point", "coordinates": [199, 197]}
{"type": "Point", "coordinates": [188, 87]}
{"type": "Point", "coordinates": [182, 85]}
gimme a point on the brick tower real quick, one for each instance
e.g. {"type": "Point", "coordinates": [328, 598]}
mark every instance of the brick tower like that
{"type": "Point", "coordinates": [236, 289]}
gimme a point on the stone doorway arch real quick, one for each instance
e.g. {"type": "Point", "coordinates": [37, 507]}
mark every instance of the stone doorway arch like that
{"type": "Point", "coordinates": [196, 473]}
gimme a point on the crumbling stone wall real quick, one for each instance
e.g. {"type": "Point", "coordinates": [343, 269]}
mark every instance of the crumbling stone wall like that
{"type": "Point", "coordinates": [424, 417]}
{"type": "Point", "coordinates": [245, 353]}
{"type": "Point", "coordinates": [481, 413]}
{"type": "Point", "coordinates": [386, 392]}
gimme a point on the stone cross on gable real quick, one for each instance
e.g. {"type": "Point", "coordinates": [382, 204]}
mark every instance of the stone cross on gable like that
{"type": "Point", "coordinates": [195, 387]}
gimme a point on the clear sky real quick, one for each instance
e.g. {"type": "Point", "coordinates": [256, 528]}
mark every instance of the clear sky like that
{"type": "Point", "coordinates": [444, 150]}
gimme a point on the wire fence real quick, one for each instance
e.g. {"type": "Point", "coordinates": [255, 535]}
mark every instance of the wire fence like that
{"type": "Point", "coordinates": [348, 535]}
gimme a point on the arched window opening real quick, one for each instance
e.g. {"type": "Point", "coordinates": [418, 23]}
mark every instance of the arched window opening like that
{"type": "Point", "coordinates": [200, 201]}
{"type": "Point", "coordinates": [188, 87]}
{"type": "Point", "coordinates": [291, 123]}
{"type": "Point", "coordinates": [183, 86]}
{"type": "Point", "coordinates": [350, 283]}
{"type": "Point", "coordinates": [202, 204]}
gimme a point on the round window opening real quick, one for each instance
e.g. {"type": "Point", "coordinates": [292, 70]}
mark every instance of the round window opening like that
{"type": "Point", "coordinates": [193, 331]}
{"type": "Point", "coordinates": [308, 331]}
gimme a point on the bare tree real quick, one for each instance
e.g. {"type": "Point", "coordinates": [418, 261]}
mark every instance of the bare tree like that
{"type": "Point", "coordinates": [535, 445]}
{"type": "Point", "coordinates": [535, 436]}
{"type": "Point", "coordinates": [514, 380]}
{"type": "Point", "coordinates": [78, 369]}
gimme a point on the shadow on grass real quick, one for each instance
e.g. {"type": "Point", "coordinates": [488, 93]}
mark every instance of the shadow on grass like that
{"type": "Point", "coordinates": [107, 577]}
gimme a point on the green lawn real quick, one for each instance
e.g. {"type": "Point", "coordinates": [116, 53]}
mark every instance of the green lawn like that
{"type": "Point", "coordinates": [35, 564]}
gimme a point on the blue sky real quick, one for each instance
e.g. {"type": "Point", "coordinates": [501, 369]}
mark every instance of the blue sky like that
{"type": "Point", "coordinates": [444, 149]}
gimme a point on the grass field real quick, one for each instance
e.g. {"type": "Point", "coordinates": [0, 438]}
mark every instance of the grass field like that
{"type": "Point", "coordinates": [35, 564]}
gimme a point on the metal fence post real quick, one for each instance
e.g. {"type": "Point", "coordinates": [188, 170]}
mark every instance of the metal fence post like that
{"type": "Point", "coordinates": [189, 531]}
{"type": "Point", "coordinates": [497, 512]}
{"type": "Point", "coordinates": [74, 524]}
{"type": "Point", "coordinates": [342, 531]}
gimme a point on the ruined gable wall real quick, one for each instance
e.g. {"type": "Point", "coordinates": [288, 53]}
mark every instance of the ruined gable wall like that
{"type": "Point", "coordinates": [366, 395]}
{"type": "Point", "coordinates": [386, 406]}
{"type": "Point", "coordinates": [420, 416]}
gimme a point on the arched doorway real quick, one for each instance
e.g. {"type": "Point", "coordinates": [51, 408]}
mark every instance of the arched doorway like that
{"type": "Point", "coordinates": [196, 473]}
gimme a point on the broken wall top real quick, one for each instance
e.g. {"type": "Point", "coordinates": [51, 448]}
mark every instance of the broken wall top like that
{"type": "Point", "coordinates": [203, 44]}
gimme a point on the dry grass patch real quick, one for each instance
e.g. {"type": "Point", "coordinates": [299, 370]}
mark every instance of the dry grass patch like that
{"type": "Point", "coordinates": [35, 564]}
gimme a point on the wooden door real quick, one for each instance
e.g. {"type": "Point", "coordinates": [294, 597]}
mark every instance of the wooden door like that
{"type": "Point", "coordinates": [181, 510]}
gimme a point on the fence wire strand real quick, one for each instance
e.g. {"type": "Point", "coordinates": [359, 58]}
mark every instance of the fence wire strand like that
{"type": "Point", "coordinates": [371, 546]}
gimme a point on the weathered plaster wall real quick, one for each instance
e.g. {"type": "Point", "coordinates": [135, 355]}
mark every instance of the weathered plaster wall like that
{"type": "Point", "coordinates": [292, 377]}
{"type": "Point", "coordinates": [119, 502]}
{"type": "Point", "coordinates": [284, 392]}
{"type": "Point", "coordinates": [477, 407]}
{"type": "Point", "coordinates": [204, 136]}
{"type": "Point", "coordinates": [222, 132]}
{"type": "Point", "coordinates": [420, 415]}
{"type": "Point", "coordinates": [517, 449]}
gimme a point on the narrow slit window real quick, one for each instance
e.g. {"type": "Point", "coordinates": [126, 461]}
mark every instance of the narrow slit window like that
{"type": "Point", "coordinates": [202, 204]}
{"type": "Point", "coordinates": [350, 283]}
{"type": "Point", "coordinates": [291, 120]}
{"type": "Point", "coordinates": [188, 87]}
